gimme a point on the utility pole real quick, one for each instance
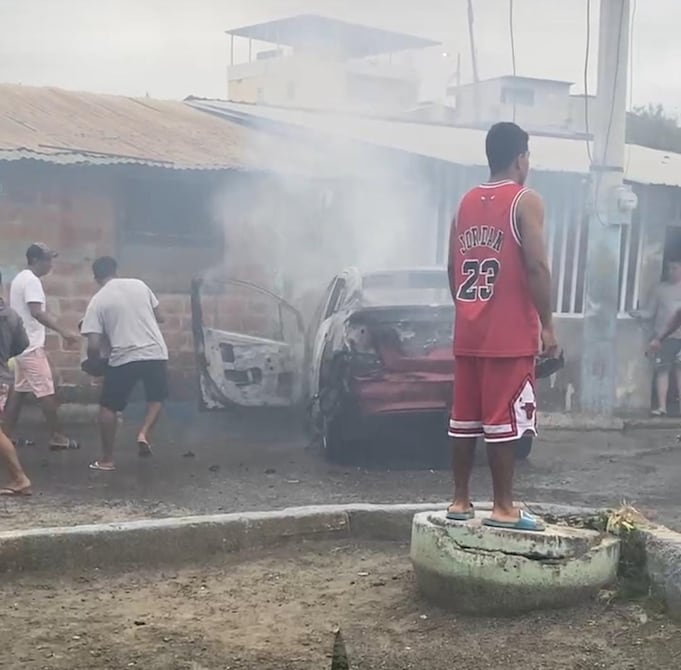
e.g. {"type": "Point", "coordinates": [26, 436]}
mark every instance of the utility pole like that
{"type": "Point", "coordinates": [611, 205]}
{"type": "Point", "coordinates": [474, 60]}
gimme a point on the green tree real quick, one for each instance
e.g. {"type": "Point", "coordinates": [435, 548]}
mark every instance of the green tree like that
{"type": "Point", "coordinates": [652, 126]}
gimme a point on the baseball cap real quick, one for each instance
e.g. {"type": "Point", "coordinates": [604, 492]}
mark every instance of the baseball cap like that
{"type": "Point", "coordinates": [39, 252]}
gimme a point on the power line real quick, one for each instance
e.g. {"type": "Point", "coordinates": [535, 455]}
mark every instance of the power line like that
{"type": "Point", "coordinates": [631, 75]}
{"type": "Point", "coordinates": [474, 60]}
{"type": "Point", "coordinates": [631, 56]}
{"type": "Point", "coordinates": [612, 104]}
{"type": "Point", "coordinates": [587, 53]}
{"type": "Point", "coordinates": [471, 36]}
{"type": "Point", "coordinates": [512, 36]}
{"type": "Point", "coordinates": [614, 81]}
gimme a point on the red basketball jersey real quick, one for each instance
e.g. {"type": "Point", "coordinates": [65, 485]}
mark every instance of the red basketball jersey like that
{"type": "Point", "coordinates": [495, 316]}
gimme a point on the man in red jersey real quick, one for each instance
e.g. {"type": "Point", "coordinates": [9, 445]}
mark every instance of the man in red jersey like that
{"type": "Point", "coordinates": [501, 283]}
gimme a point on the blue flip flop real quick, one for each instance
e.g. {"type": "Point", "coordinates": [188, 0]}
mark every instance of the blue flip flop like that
{"type": "Point", "coordinates": [462, 516]}
{"type": "Point", "coordinates": [525, 522]}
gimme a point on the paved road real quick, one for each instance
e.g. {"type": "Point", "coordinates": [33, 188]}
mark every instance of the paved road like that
{"type": "Point", "coordinates": [224, 463]}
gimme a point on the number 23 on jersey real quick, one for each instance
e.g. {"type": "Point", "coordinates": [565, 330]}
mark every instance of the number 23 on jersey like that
{"type": "Point", "coordinates": [479, 278]}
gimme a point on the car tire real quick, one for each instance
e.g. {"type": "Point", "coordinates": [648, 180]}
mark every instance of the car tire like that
{"type": "Point", "coordinates": [333, 441]}
{"type": "Point", "coordinates": [523, 447]}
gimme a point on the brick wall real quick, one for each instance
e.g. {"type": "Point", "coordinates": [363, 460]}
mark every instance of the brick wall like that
{"type": "Point", "coordinates": [74, 211]}
{"type": "Point", "coordinates": [85, 212]}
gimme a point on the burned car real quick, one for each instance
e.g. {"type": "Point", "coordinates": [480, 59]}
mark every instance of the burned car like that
{"type": "Point", "coordinates": [378, 347]}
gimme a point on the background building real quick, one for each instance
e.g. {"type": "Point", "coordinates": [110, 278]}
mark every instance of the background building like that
{"type": "Point", "coordinates": [322, 63]}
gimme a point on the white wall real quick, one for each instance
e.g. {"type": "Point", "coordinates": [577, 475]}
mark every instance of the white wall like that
{"type": "Point", "coordinates": [578, 113]}
{"type": "Point", "coordinates": [302, 81]}
{"type": "Point", "coordinates": [549, 111]}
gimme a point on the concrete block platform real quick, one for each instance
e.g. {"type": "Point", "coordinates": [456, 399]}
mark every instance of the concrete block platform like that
{"type": "Point", "coordinates": [471, 568]}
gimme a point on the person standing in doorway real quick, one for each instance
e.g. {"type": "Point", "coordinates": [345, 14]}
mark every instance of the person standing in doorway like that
{"type": "Point", "coordinates": [126, 313]}
{"type": "Point", "coordinates": [501, 284]}
{"type": "Point", "coordinates": [13, 341]}
{"type": "Point", "coordinates": [32, 372]}
{"type": "Point", "coordinates": [662, 308]}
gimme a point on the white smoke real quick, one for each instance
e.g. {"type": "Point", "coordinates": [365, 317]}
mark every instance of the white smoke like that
{"type": "Point", "coordinates": [337, 203]}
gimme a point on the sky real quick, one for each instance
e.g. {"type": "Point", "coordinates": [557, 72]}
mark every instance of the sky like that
{"type": "Point", "coordinates": [175, 48]}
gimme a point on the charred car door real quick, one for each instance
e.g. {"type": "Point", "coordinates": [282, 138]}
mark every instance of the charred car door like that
{"type": "Point", "coordinates": [319, 332]}
{"type": "Point", "coordinates": [249, 344]}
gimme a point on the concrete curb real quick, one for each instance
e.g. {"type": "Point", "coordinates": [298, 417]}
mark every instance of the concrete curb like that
{"type": "Point", "coordinates": [565, 421]}
{"type": "Point", "coordinates": [75, 413]}
{"type": "Point", "coordinates": [186, 540]}
{"type": "Point", "coordinates": [663, 565]}
{"type": "Point", "coordinates": [182, 540]}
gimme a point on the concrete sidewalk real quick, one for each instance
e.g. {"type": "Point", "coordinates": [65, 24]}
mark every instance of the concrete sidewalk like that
{"type": "Point", "coordinates": [191, 540]}
{"type": "Point", "coordinates": [86, 414]}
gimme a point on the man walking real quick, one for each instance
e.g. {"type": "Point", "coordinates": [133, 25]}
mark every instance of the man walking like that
{"type": "Point", "coordinates": [501, 284]}
{"type": "Point", "coordinates": [663, 305]}
{"type": "Point", "coordinates": [32, 372]}
{"type": "Point", "coordinates": [126, 313]}
{"type": "Point", "coordinates": [13, 341]}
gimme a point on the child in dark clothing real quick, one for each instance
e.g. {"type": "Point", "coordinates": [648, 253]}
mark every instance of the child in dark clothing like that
{"type": "Point", "coordinates": [13, 340]}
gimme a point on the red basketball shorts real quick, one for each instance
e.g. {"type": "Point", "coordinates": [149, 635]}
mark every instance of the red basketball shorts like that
{"type": "Point", "coordinates": [493, 398]}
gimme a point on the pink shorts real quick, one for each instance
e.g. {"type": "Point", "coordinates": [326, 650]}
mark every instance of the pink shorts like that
{"type": "Point", "coordinates": [32, 374]}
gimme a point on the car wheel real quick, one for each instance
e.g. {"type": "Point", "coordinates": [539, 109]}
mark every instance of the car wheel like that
{"type": "Point", "coordinates": [332, 439]}
{"type": "Point", "coordinates": [523, 447]}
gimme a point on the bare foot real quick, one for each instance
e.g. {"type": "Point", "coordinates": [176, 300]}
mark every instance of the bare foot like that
{"type": "Point", "coordinates": [18, 485]}
{"type": "Point", "coordinates": [505, 515]}
{"type": "Point", "coordinates": [460, 507]}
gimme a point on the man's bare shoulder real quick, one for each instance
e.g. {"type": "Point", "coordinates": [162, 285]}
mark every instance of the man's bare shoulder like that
{"type": "Point", "coordinates": [530, 198]}
{"type": "Point", "coordinates": [530, 208]}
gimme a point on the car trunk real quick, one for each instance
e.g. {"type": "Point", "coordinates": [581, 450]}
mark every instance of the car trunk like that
{"type": "Point", "coordinates": [401, 357]}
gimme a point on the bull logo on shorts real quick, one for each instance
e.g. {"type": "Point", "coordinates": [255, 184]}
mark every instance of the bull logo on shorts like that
{"type": "Point", "coordinates": [529, 408]}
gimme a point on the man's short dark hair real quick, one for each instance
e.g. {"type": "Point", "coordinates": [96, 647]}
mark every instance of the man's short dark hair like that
{"type": "Point", "coordinates": [104, 267]}
{"type": "Point", "coordinates": [505, 142]}
{"type": "Point", "coordinates": [39, 251]}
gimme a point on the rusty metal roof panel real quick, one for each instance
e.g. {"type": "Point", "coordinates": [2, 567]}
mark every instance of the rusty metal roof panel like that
{"type": "Point", "coordinates": [73, 128]}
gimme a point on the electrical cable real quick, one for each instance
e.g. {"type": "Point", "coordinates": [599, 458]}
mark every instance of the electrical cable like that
{"type": "Point", "coordinates": [587, 53]}
{"type": "Point", "coordinates": [512, 37]}
{"type": "Point", "coordinates": [612, 99]}
{"type": "Point", "coordinates": [614, 81]}
{"type": "Point", "coordinates": [630, 106]}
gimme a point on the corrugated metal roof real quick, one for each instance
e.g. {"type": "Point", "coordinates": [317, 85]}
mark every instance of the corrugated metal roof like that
{"type": "Point", "coordinates": [314, 31]}
{"type": "Point", "coordinates": [72, 128]}
{"type": "Point", "coordinates": [455, 145]}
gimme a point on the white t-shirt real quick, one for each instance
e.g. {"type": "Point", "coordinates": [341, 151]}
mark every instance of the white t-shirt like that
{"type": "Point", "coordinates": [27, 288]}
{"type": "Point", "coordinates": [123, 311]}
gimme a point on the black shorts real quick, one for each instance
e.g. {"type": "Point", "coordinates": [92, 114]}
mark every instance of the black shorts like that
{"type": "Point", "coordinates": [119, 382]}
{"type": "Point", "coordinates": [669, 354]}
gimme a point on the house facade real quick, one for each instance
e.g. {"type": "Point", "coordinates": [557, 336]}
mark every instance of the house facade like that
{"type": "Point", "coordinates": [451, 160]}
{"type": "Point", "coordinates": [165, 189]}
{"type": "Point", "coordinates": [318, 62]}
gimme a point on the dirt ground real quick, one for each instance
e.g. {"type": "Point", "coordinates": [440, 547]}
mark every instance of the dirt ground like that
{"type": "Point", "coordinates": [208, 463]}
{"type": "Point", "coordinates": [279, 611]}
